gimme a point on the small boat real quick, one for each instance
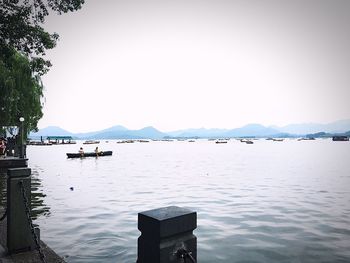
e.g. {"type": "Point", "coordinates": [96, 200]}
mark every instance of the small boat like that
{"type": "Point", "coordinates": [126, 141]}
{"type": "Point", "coordinates": [221, 141]}
{"type": "Point", "coordinates": [247, 141]}
{"type": "Point", "coordinates": [143, 140]}
{"type": "Point", "coordinates": [306, 139]}
{"type": "Point", "coordinates": [340, 138]}
{"type": "Point", "coordinates": [89, 154]}
{"type": "Point", "coordinates": [277, 140]}
{"type": "Point", "coordinates": [91, 142]}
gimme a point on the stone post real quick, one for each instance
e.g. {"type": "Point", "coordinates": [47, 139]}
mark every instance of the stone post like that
{"type": "Point", "coordinates": [19, 236]}
{"type": "Point", "coordinates": [164, 232]}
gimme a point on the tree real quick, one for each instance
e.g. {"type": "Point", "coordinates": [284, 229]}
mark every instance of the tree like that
{"type": "Point", "coordinates": [23, 43]}
{"type": "Point", "coordinates": [20, 27]}
{"type": "Point", "coordinates": [21, 92]}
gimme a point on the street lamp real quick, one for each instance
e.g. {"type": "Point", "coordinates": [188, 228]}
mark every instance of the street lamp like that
{"type": "Point", "coordinates": [21, 119]}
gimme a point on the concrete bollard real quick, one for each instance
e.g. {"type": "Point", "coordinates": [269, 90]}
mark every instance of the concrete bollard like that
{"type": "Point", "coordinates": [19, 235]}
{"type": "Point", "coordinates": [7, 163]}
{"type": "Point", "coordinates": [165, 232]}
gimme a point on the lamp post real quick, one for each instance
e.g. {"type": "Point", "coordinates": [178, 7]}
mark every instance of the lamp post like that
{"type": "Point", "coordinates": [21, 119]}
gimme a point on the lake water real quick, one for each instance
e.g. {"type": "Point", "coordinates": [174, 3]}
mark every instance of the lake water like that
{"type": "Point", "coordinates": [266, 202]}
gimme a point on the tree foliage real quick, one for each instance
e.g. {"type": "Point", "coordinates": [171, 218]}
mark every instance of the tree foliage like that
{"type": "Point", "coordinates": [21, 92]}
{"type": "Point", "coordinates": [21, 27]}
{"type": "Point", "coordinates": [23, 43]}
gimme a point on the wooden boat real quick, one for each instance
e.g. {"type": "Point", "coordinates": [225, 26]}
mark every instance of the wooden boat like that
{"type": "Point", "coordinates": [340, 138]}
{"type": "Point", "coordinates": [89, 154]}
{"type": "Point", "coordinates": [247, 141]}
{"type": "Point", "coordinates": [277, 140]}
{"type": "Point", "coordinates": [126, 141]}
{"type": "Point", "coordinates": [143, 140]}
{"type": "Point", "coordinates": [91, 142]}
{"type": "Point", "coordinates": [221, 142]}
{"type": "Point", "coordinates": [306, 139]}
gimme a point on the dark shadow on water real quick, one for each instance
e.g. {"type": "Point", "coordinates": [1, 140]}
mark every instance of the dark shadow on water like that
{"type": "Point", "coordinates": [39, 208]}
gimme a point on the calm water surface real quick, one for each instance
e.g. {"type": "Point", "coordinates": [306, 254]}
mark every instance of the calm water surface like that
{"type": "Point", "coordinates": [267, 202]}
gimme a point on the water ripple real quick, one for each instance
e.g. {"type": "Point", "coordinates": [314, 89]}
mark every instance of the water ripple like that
{"type": "Point", "coordinates": [272, 203]}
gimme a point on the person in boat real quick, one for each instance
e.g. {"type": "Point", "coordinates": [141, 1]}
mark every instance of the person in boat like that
{"type": "Point", "coordinates": [97, 151]}
{"type": "Point", "coordinates": [81, 151]}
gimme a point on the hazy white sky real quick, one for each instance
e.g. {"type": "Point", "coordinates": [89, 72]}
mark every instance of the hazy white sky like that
{"type": "Point", "coordinates": [198, 63]}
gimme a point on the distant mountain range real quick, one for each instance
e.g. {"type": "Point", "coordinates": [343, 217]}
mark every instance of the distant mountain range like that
{"type": "Point", "coordinates": [250, 130]}
{"type": "Point", "coordinates": [334, 127]}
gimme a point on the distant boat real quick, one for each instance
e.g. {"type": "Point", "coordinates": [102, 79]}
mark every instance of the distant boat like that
{"type": "Point", "coordinates": [91, 142]}
{"type": "Point", "coordinates": [306, 139]}
{"type": "Point", "coordinates": [340, 138]}
{"type": "Point", "coordinates": [126, 141]}
{"type": "Point", "coordinates": [60, 140]}
{"type": "Point", "coordinates": [246, 141]}
{"type": "Point", "coordinates": [143, 140]}
{"type": "Point", "coordinates": [221, 142]}
{"type": "Point", "coordinates": [89, 154]}
{"type": "Point", "coordinates": [277, 140]}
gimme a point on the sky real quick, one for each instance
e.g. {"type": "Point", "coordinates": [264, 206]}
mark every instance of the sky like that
{"type": "Point", "coordinates": [198, 63]}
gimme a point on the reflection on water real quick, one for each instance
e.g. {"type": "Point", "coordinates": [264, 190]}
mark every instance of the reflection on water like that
{"type": "Point", "coordinates": [266, 202]}
{"type": "Point", "coordinates": [37, 197]}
